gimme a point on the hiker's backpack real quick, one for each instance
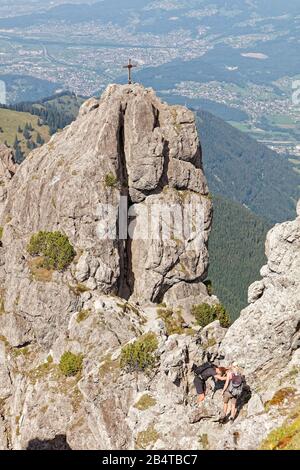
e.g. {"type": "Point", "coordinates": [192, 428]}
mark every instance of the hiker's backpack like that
{"type": "Point", "coordinates": [199, 370]}
{"type": "Point", "coordinates": [236, 385]}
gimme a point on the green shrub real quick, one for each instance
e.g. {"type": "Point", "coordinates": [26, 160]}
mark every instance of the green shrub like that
{"type": "Point", "coordinates": [139, 356]}
{"type": "Point", "coordinates": [206, 314]}
{"type": "Point", "coordinates": [54, 248]}
{"type": "Point", "coordinates": [222, 315]}
{"type": "Point", "coordinates": [1, 233]}
{"type": "Point", "coordinates": [203, 314]}
{"type": "Point", "coordinates": [209, 287]}
{"type": "Point", "coordinates": [110, 180]}
{"type": "Point", "coordinates": [70, 364]}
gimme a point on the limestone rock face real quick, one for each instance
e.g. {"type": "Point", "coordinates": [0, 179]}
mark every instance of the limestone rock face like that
{"type": "Point", "coordinates": [8, 168]}
{"type": "Point", "coordinates": [130, 151]}
{"type": "Point", "coordinates": [128, 156]}
{"type": "Point", "coordinates": [82, 409]}
{"type": "Point", "coordinates": [185, 295]}
{"type": "Point", "coordinates": [270, 324]}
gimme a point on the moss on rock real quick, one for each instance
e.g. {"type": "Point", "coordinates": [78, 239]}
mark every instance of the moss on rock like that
{"type": "Point", "coordinates": [146, 439]}
{"type": "Point", "coordinates": [287, 436]}
{"type": "Point", "coordinates": [145, 402]}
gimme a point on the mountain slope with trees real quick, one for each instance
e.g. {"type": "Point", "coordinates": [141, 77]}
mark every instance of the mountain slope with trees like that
{"type": "Point", "coordinates": [237, 252]}
{"type": "Point", "coordinates": [27, 125]}
{"type": "Point", "coordinates": [22, 131]}
{"type": "Point", "coordinates": [245, 171]}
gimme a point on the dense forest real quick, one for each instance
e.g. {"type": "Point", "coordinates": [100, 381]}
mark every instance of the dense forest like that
{"type": "Point", "coordinates": [236, 249]}
{"type": "Point", "coordinates": [245, 171]}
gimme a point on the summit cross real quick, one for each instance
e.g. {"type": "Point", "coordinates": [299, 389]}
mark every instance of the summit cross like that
{"type": "Point", "coordinates": [129, 66]}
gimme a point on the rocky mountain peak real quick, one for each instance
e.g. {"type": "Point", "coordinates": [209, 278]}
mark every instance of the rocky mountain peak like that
{"type": "Point", "coordinates": [128, 156]}
{"type": "Point", "coordinates": [101, 224]}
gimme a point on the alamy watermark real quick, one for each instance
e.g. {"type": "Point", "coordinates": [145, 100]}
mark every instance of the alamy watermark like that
{"type": "Point", "coordinates": [296, 92]}
{"type": "Point", "coordinates": [2, 92]}
{"type": "Point", "coordinates": [176, 222]}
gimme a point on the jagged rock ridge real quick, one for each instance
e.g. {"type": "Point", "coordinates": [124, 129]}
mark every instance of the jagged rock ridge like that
{"type": "Point", "coordinates": [8, 168]}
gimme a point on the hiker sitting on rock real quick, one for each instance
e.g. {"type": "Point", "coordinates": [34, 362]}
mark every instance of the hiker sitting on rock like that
{"type": "Point", "coordinates": [232, 391]}
{"type": "Point", "coordinates": [203, 373]}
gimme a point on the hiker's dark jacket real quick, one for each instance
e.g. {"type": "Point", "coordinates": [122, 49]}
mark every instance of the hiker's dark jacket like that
{"type": "Point", "coordinates": [207, 373]}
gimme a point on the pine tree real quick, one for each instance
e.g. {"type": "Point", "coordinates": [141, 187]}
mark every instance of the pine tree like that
{"type": "Point", "coordinates": [19, 156]}
{"type": "Point", "coordinates": [26, 134]}
{"type": "Point", "coordinates": [39, 139]}
{"type": "Point", "coordinates": [29, 145]}
{"type": "Point", "coordinates": [16, 142]}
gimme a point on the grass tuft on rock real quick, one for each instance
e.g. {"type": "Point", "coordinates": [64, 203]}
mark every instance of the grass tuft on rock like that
{"type": "Point", "coordinates": [173, 320]}
{"type": "Point", "coordinates": [83, 315]}
{"type": "Point", "coordinates": [110, 180]}
{"type": "Point", "coordinates": [109, 368]}
{"type": "Point", "coordinates": [2, 306]}
{"type": "Point", "coordinates": [280, 396]}
{"type": "Point", "coordinates": [146, 439]}
{"type": "Point", "coordinates": [39, 273]}
{"type": "Point", "coordinates": [204, 442]}
{"type": "Point", "coordinates": [145, 402]}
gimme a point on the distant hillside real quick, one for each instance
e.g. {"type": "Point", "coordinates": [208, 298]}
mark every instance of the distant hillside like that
{"type": "Point", "coordinates": [247, 172]}
{"type": "Point", "coordinates": [65, 103]}
{"type": "Point", "coordinates": [22, 131]}
{"type": "Point", "coordinates": [57, 111]}
{"type": "Point", "coordinates": [25, 87]}
{"type": "Point", "coordinates": [27, 125]}
{"type": "Point", "coordinates": [237, 252]}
